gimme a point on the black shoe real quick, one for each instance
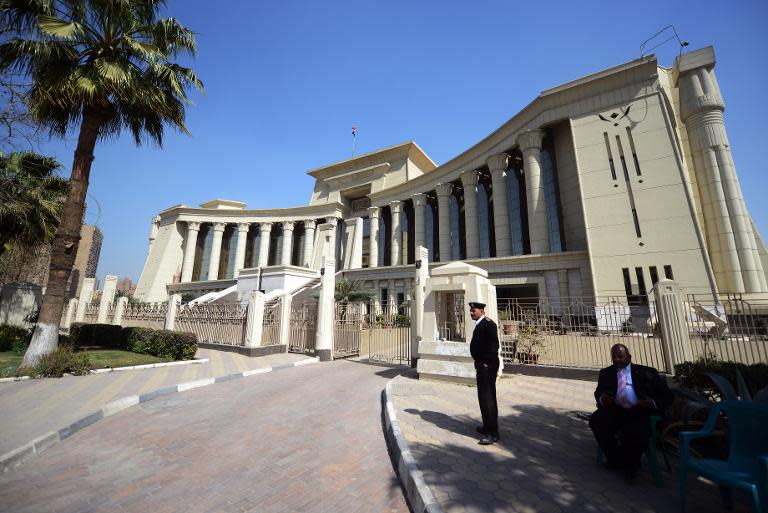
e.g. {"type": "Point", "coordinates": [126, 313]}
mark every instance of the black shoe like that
{"type": "Point", "coordinates": [489, 439]}
{"type": "Point", "coordinates": [481, 430]}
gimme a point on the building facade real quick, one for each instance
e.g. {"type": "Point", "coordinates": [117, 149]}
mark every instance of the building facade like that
{"type": "Point", "coordinates": [598, 188]}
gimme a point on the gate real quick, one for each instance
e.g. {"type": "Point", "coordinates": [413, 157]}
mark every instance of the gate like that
{"type": "Point", "coordinates": [387, 331]}
{"type": "Point", "coordinates": [270, 334]}
{"type": "Point", "coordinates": [347, 329]}
{"type": "Point", "coordinates": [303, 328]}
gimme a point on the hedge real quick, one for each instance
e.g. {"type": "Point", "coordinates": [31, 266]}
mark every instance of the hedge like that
{"type": "Point", "coordinates": [693, 375]}
{"type": "Point", "coordinates": [102, 335]}
{"type": "Point", "coordinates": [161, 343]}
{"type": "Point", "coordinates": [12, 336]}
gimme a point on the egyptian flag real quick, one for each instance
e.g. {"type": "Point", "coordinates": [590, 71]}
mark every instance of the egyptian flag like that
{"type": "Point", "coordinates": [354, 131]}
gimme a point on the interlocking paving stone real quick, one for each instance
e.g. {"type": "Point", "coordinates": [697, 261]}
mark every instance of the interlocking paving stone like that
{"type": "Point", "coordinates": [305, 439]}
{"type": "Point", "coordinates": [545, 461]}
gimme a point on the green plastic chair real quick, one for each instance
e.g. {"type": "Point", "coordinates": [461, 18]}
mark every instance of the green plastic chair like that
{"type": "Point", "coordinates": [650, 452]}
{"type": "Point", "coordinates": [747, 464]}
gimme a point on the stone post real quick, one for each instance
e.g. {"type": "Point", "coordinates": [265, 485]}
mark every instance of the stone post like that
{"type": "Point", "coordinates": [419, 219]}
{"type": "Point", "coordinates": [254, 323]}
{"type": "Point", "coordinates": [326, 310]}
{"type": "Point", "coordinates": [353, 242]}
{"type": "Point", "coordinates": [86, 295]}
{"type": "Point", "coordinates": [538, 229]}
{"type": "Point", "coordinates": [107, 297]}
{"type": "Point", "coordinates": [670, 311]}
{"type": "Point", "coordinates": [373, 241]}
{"type": "Point", "coordinates": [265, 239]}
{"type": "Point", "coordinates": [396, 207]}
{"type": "Point", "coordinates": [213, 264]}
{"type": "Point", "coordinates": [71, 310]}
{"type": "Point", "coordinates": [173, 308]}
{"type": "Point", "coordinates": [471, 223]}
{"type": "Point", "coordinates": [117, 319]}
{"type": "Point", "coordinates": [193, 228]}
{"type": "Point", "coordinates": [287, 249]}
{"type": "Point", "coordinates": [417, 315]}
{"type": "Point", "coordinates": [498, 165]}
{"type": "Point", "coordinates": [242, 239]}
{"type": "Point", "coordinates": [309, 241]}
{"type": "Point", "coordinates": [285, 320]}
{"type": "Point", "coordinates": [444, 191]}
{"type": "Point", "coordinates": [334, 222]}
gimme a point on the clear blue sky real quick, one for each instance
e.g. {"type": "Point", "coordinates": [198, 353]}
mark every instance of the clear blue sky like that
{"type": "Point", "coordinates": [286, 82]}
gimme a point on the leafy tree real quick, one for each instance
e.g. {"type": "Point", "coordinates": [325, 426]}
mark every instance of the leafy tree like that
{"type": "Point", "coordinates": [352, 291]}
{"type": "Point", "coordinates": [102, 66]}
{"type": "Point", "coordinates": [31, 198]}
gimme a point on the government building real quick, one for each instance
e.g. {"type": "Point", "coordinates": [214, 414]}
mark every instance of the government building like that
{"type": "Point", "coordinates": [598, 188]}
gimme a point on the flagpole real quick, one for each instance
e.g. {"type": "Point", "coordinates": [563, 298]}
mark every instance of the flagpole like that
{"type": "Point", "coordinates": [354, 138]}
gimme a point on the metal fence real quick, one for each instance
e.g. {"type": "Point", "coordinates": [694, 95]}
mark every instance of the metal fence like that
{"type": "Point", "coordinates": [270, 334]}
{"type": "Point", "coordinates": [578, 332]}
{"type": "Point", "coordinates": [387, 333]}
{"type": "Point", "coordinates": [728, 327]}
{"type": "Point", "coordinates": [91, 313]}
{"type": "Point", "coordinates": [214, 323]}
{"type": "Point", "coordinates": [348, 323]}
{"type": "Point", "coordinates": [145, 315]}
{"type": "Point", "coordinates": [303, 328]}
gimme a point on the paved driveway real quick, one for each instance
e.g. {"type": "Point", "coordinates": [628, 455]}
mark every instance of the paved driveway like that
{"type": "Point", "coordinates": [303, 439]}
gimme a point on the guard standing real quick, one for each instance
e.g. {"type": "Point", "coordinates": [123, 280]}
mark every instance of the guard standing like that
{"type": "Point", "coordinates": [485, 351]}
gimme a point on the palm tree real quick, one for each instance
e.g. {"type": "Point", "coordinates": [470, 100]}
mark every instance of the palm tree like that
{"type": "Point", "coordinates": [102, 65]}
{"type": "Point", "coordinates": [352, 291]}
{"type": "Point", "coordinates": [31, 198]}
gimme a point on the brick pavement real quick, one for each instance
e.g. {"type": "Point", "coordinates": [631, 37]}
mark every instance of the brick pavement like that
{"type": "Point", "coordinates": [303, 439]}
{"type": "Point", "coordinates": [33, 408]}
{"type": "Point", "coordinates": [545, 461]}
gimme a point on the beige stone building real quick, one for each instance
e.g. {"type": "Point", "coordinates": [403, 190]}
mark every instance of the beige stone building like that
{"type": "Point", "coordinates": [598, 188]}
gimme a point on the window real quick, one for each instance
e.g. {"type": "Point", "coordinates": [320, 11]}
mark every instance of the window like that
{"type": "Point", "coordinates": [641, 290]}
{"type": "Point", "coordinates": [634, 152]}
{"type": "Point", "coordinates": [516, 200]}
{"type": "Point", "coordinates": [654, 274]}
{"type": "Point", "coordinates": [384, 295]}
{"type": "Point", "coordinates": [401, 306]}
{"type": "Point", "coordinates": [627, 282]}
{"type": "Point", "coordinates": [610, 155]}
{"type": "Point", "coordinates": [485, 219]}
{"type": "Point", "coordinates": [668, 272]}
{"type": "Point", "coordinates": [552, 198]}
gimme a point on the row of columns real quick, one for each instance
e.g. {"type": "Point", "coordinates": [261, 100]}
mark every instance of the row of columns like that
{"type": "Point", "coordinates": [530, 144]}
{"type": "Point", "coordinates": [193, 229]}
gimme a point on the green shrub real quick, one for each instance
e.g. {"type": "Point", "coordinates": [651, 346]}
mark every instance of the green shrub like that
{"type": "Point", "coordinates": [11, 335]}
{"type": "Point", "coordinates": [62, 360]}
{"type": "Point", "coordinates": [103, 335]}
{"type": "Point", "coordinates": [20, 347]}
{"type": "Point", "coordinates": [693, 375]}
{"type": "Point", "coordinates": [161, 343]}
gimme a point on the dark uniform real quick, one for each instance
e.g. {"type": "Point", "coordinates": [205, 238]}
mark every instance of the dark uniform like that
{"type": "Point", "coordinates": [485, 351]}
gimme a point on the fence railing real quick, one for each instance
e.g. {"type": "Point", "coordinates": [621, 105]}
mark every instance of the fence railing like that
{"type": "Point", "coordinates": [728, 327]}
{"type": "Point", "coordinates": [270, 334]}
{"type": "Point", "coordinates": [303, 328]}
{"type": "Point", "coordinates": [214, 323]}
{"type": "Point", "coordinates": [578, 332]}
{"type": "Point", "coordinates": [91, 313]}
{"type": "Point", "coordinates": [386, 333]}
{"type": "Point", "coordinates": [145, 315]}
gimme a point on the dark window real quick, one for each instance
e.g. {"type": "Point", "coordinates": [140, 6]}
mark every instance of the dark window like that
{"type": "Point", "coordinates": [485, 218]}
{"type": "Point", "coordinates": [401, 307]}
{"type": "Point", "coordinates": [668, 272]}
{"type": "Point", "coordinates": [627, 282]}
{"type": "Point", "coordinates": [384, 295]}
{"type": "Point", "coordinates": [552, 197]}
{"type": "Point", "coordinates": [516, 200]}
{"type": "Point", "coordinates": [654, 274]}
{"type": "Point", "coordinates": [640, 282]}
{"type": "Point", "coordinates": [610, 155]}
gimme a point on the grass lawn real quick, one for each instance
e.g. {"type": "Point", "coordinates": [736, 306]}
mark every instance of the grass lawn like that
{"type": "Point", "coordinates": [8, 363]}
{"type": "Point", "coordinates": [101, 358]}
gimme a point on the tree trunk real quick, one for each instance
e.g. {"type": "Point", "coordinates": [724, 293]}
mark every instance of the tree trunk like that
{"type": "Point", "coordinates": [65, 243]}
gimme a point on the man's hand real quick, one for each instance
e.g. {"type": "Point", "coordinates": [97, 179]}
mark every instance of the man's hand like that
{"type": "Point", "coordinates": [645, 403]}
{"type": "Point", "coordinates": [606, 399]}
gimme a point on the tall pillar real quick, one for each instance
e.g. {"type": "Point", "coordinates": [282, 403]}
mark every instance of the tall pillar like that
{"type": "Point", "coordinates": [287, 249]}
{"type": "Point", "coordinates": [730, 240]}
{"type": "Point", "coordinates": [332, 249]}
{"type": "Point", "coordinates": [193, 228]}
{"type": "Point", "coordinates": [254, 322]}
{"type": "Point", "coordinates": [444, 191]}
{"type": "Point", "coordinates": [419, 289]}
{"type": "Point", "coordinates": [213, 264]}
{"type": "Point", "coordinates": [538, 230]}
{"type": "Point", "coordinates": [242, 239]}
{"type": "Point", "coordinates": [498, 166]}
{"type": "Point", "coordinates": [419, 219]}
{"type": "Point", "coordinates": [107, 297]}
{"type": "Point", "coordinates": [469, 181]}
{"type": "Point", "coordinates": [86, 295]}
{"type": "Point", "coordinates": [265, 239]}
{"type": "Point", "coordinates": [396, 208]}
{"type": "Point", "coordinates": [326, 309]}
{"type": "Point", "coordinates": [373, 242]}
{"type": "Point", "coordinates": [309, 241]}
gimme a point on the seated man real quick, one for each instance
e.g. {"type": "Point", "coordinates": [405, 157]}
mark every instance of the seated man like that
{"type": "Point", "coordinates": [627, 395]}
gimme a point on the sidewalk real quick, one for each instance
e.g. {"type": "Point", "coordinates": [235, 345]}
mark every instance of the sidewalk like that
{"type": "Point", "coordinates": [35, 407]}
{"type": "Point", "coordinates": [545, 461]}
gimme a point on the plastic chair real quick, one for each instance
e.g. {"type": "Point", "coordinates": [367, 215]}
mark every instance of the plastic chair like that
{"type": "Point", "coordinates": [650, 452]}
{"type": "Point", "coordinates": [747, 464]}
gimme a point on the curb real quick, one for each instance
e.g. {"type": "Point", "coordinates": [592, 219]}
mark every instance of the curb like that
{"type": "Point", "coordinates": [21, 454]}
{"type": "Point", "coordinates": [113, 369]}
{"type": "Point", "coordinates": [416, 489]}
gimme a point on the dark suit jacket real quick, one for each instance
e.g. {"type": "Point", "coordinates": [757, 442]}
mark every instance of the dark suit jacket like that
{"type": "Point", "coordinates": [646, 381]}
{"type": "Point", "coordinates": [485, 342]}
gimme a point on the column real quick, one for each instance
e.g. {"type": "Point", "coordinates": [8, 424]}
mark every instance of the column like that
{"type": "Point", "coordinates": [193, 228]}
{"type": "Point", "coordinates": [396, 207]}
{"type": "Point", "coordinates": [373, 242]}
{"type": "Point", "coordinates": [254, 323]}
{"type": "Point", "coordinates": [444, 191]}
{"type": "Point", "coordinates": [419, 219]}
{"type": "Point", "coordinates": [309, 241]}
{"type": "Point", "coordinates": [213, 264]}
{"type": "Point", "coordinates": [538, 231]}
{"type": "Point", "coordinates": [498, 166]}
{"type": "Point", "coordinates": [287, 249]}
{"type": "Point", "coordinates": [266, 231]}
{"type": "Point", "coordinates": [326, 308]}
{"type": "Point", "coordinates": [472, 226]}
{"type": "Point", "coordinates": [334, 222]}
{"type": "Point", "coordinates": [107, 297]}
{"type": "Point", "coordinates": [242, 239]}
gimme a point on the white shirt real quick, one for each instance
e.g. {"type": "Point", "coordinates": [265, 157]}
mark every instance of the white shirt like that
{"type": "Point", "coordinates": [631, 395]}
{"type": "Point", "coordinates": [480, 319]}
